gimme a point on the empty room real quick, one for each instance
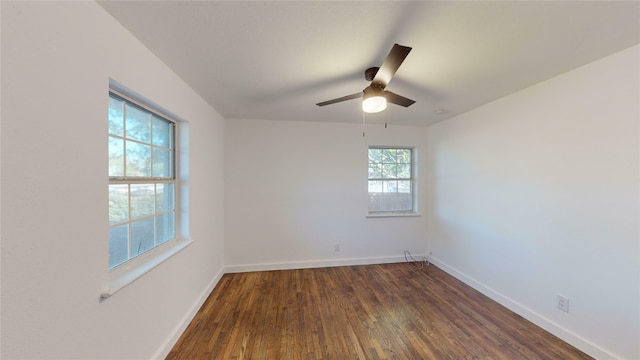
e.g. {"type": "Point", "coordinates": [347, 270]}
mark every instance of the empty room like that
{"type": "Point", "coordinates": [320, 180]}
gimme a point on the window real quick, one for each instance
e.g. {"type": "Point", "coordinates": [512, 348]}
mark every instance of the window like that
{"type": "Point", "coordinates": [390, 180]}
{"type": "Point", "coordinates": [142, 180]}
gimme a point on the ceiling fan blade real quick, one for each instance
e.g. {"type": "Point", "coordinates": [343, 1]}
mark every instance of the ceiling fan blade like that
{"type": "Point", "coordinates": [340, 99]}
{"type": "Point", "coordinates": [398, 99]}
{"type": "Point", "coordinates": [391, 64]}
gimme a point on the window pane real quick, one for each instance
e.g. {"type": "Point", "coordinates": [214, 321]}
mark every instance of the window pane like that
{"type": "Point", "coordinates": [118, 244]}
{"type": "Point", "coordinates": [161, 132]}
{"type": "Point", "coordinates": [161, 163]}
{"type": "Point", "coordinates": [116, 121]}
{"type": "Point", "coordinates": [138, 124]}
{"type": "Point", "coordinates": [374, 204]}
{"type": "Point", "coordinates": [165, 227]}
{"type": "Point", "coordinates": [404, 186]}
{"type": "Point", "coordinates": [375, 155]}
{"type": "Point", "coordinates": [142, 200]}
{"type": "Point", "coordinates": [375, 171]}
{"type": "Point", "coordinates": [116, 157]}
{"type": "Point", "coordinates": [389, 186]}
{"type": "Point", "coordinates": [404, 156]}
{"type": "Point", "coordinates": [164, 198]}
{"type": "Point", "coordinates": [389, 156]}
{"type": "Point", "coordinates": [403, 202]}
{"type": "Point", "coordinates": [389, 171]}
{"type": "Point", "coordinates": [142, 236]}
{"type": "Point", "coordinates": [118, 203]}
{"type": "Point", "coordinates": [404, 171]}
{"type": "Point", "coordinates": [398, 203]}
{"type": "Point", "coordinates": [375, 187]}
{"type": "Point", "coordinates": [385, 203]}
{"type": "Point", "coordinates": [138, 159]}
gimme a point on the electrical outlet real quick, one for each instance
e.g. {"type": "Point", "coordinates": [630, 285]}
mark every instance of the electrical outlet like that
{"type": "Point", "coordinates": [336, 247]}
{"type": "Point", "coordinates": [563, 303]}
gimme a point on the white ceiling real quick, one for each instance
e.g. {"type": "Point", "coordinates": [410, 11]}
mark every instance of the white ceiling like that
{"type": "Point", "coordinates": [276, 60]}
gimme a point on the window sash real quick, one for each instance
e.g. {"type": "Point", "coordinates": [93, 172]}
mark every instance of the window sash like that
{"type": "Point", "coordinates": [150, 144]}
{"type": "Point", "coordinates": [144, 226]}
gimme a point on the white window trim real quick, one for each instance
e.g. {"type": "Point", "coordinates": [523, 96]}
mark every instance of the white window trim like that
{"type": "Point", "coordinates": [127, 272]}
{"type": "Point", "coordinates": [388, 214]}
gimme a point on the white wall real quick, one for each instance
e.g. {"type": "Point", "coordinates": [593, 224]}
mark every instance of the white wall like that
{"type": "Point", "coordinates": [537, 194]}
{"type": "Point", "coordinates": [295, 189]}
{"type": "Point", "coordinates": [57, 58]}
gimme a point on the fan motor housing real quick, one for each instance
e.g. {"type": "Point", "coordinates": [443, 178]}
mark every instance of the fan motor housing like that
{"type": "Point", "coordinates": [373, 90]}
{"type": "Point", "coordinates": [370, 73]}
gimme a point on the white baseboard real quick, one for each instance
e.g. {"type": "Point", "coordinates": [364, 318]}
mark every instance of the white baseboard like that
{"type": "Point", "coordinates": [316, 263]}
{"type": "Point", "coordinates": [186, 320]}
{"type": "Point", "coordinates": [575, 340]}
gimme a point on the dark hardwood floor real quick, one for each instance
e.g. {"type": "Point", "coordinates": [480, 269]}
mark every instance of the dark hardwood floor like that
{"type": "Point", "coordinates": [389, 311]}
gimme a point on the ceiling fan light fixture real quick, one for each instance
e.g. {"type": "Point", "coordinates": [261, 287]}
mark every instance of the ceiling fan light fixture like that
{"type": "Point", "coordinates": [374, 104]}
{"type": "Point", "coordinates": [374, 100]}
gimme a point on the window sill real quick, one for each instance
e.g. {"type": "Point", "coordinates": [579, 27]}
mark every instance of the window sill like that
{"type": "Point", "coordinates": [392, 214]}
{"type": "Point", "coordinates": [127, 273]}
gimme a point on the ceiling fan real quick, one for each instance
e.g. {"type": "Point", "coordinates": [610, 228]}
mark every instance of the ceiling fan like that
{"type": "Point", "coordinates": [375, 96]}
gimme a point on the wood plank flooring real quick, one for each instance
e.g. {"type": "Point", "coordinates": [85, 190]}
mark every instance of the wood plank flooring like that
{"type": "Point", "coordinates": [388, 311]}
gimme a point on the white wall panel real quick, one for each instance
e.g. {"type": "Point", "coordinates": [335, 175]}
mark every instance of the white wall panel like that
{"type": "Point", "coordinates": [295, 190]}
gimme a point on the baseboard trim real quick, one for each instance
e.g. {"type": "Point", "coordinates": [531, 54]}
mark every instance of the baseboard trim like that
{"type": "Point", "coordinates": [316, 263]}
{"type": "Point", "coordinates": [186, 320]}
{"type": "Point", "coordinates": [575, 340]}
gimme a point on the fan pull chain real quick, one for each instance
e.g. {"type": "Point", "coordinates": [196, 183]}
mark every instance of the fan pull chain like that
{"type": "Point", "coordinates": [385, 124]}
{"type": "Point", "coordinates": [363, 123]}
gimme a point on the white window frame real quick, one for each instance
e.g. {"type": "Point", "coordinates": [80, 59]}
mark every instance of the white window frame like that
{"type": "Point", "coordinates": [132, 269]}
{"type": "Point", "coordinates": [414, 205]}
